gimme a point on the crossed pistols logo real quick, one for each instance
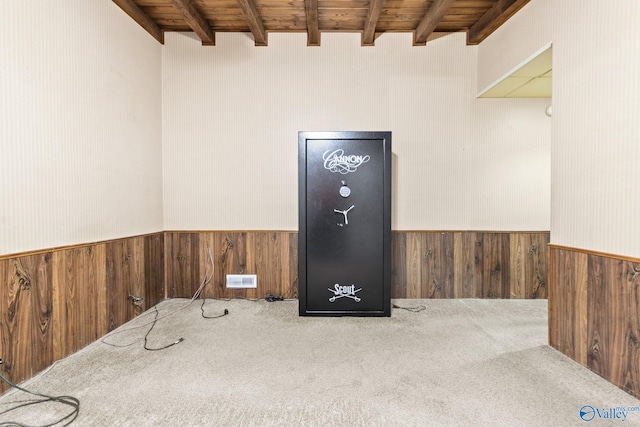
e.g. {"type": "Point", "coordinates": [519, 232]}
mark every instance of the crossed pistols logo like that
{"type": "Point", "coordinates": [348, 291]}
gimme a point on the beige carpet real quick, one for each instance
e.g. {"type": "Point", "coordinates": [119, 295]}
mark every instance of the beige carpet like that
{"type": "Point", "coordinates": [457, 363]}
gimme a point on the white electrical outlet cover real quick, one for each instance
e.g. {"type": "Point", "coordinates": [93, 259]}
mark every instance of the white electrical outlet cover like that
{"type": "Point", "coordinates": [242, 281]}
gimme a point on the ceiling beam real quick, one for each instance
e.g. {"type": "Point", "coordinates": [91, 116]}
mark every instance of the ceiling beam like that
{"type": "Point", "coordinates": [196, 21]}
{"type": "Point", "coordinates": [369, 33]}
{"type": "Point", "coordinates": [490, 21]}
{"type": "Point", "coordinates": [313, 29]}
{"type": "Point", "coordinates": [432, 18]}
{"type": "Point", "coordinates": [254, 22]}
{"type": "Point", "coordinates": [131, 9]}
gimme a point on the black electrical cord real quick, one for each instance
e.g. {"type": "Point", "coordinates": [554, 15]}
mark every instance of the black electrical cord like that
{"type": "Point", "coordinates": [153, 323]}
{"type": "Point", "coordinates": [268, 297]}
{"type": "Point", "coordinates": [146, 347]}
{"type": "Point", "coordinates": [411, 309]}
{"type": "Point", "coordinates": [206, 279]}
{"type": "Point", "coordinates": [65, 400]}
{"type": "Point", "coordinates": [211, 317]}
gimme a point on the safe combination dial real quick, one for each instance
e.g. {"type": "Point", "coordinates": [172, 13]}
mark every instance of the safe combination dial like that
{"type": "Point", "coordinates": [344, 190]}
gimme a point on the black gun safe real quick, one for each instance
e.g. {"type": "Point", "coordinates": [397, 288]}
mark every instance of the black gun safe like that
{"type": "Point", "coordinates": [344, 241]}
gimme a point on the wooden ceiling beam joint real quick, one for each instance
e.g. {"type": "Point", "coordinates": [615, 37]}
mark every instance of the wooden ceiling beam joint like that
{"type": "Point", "coordinates": [313, 28]}
{"type": "Point", "coordinates": [369, 33]}
{"type": "Point", "coordinates": [196, 21]}
{"type": "Point", "coordinates": [430, 21]}
{"type": "Point", "coordinates": [501, 11]}
{"type": "Point", "coordinates": [478, 18]}
{"type": "Point", "coordinates": [132, 9]}
{"type": "Point", "coordinates": [254, 21]}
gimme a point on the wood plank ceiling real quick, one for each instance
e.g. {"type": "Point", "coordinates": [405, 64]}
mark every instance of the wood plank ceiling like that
{"type": "Point", "coordinates": [371, 18]}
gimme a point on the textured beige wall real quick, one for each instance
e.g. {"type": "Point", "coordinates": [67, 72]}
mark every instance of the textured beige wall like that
{"type": "Point", "coordinates": [595, 126]}
{"type": "Point", "coordinates": [523, 36]}
{"type": "Point", "coordinates": [84, 109]}
{"type": "Point", "coordinates": [80, 130]}
{"type": "Point", "coordinates": [231, 114]}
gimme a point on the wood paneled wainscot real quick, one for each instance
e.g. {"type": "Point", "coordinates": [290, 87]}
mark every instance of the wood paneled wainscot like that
{"type": "Point", "coordinates": [594, 313]}
{"type": "Point", "coordinates": [54, 302]}
{"type": "Point", "coordinates": [469, 264]}
{"type": "Point", "coordinates": [271, 255]}
{"type": "Point", "coordinates": [425, 264]}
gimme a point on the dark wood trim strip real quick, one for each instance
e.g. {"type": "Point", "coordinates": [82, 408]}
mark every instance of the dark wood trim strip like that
{"type": "Point", "coordinates": [592, 252]}
{"type": "Point", "coordinates": [231, 231]}
{"type": "Point", "coordinates": [472, 231]}
{"type": "Point", "coordinates": [67, 247]}
{"type": "Point", "coordinates": [393, 231]}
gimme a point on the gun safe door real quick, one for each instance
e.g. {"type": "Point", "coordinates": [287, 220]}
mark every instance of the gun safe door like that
{"type": "Point", "coordinates": [344, 257]}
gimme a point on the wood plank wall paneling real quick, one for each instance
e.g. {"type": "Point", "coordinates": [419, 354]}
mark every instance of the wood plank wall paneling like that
{"type": "Point", "coordinates": [398, 265]}
{"type": "Point", "coordinates": [154, 269]}
{"type": "Point", "coordinates": [594, 313]}
{"type": "Point", "coordinates": [56, 302]}
{"type": "Point", "coordinates": [17, 317]}
{"type": "Point", "coordinates": [424, 264]}
{"type": "Point", "coordinates": [271, 255]}
{"type": "Point", "coordinates": [468, 264]}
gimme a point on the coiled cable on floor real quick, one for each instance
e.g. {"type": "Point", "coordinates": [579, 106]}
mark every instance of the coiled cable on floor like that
{"type": "Point", "coordinates": [43, 398]}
